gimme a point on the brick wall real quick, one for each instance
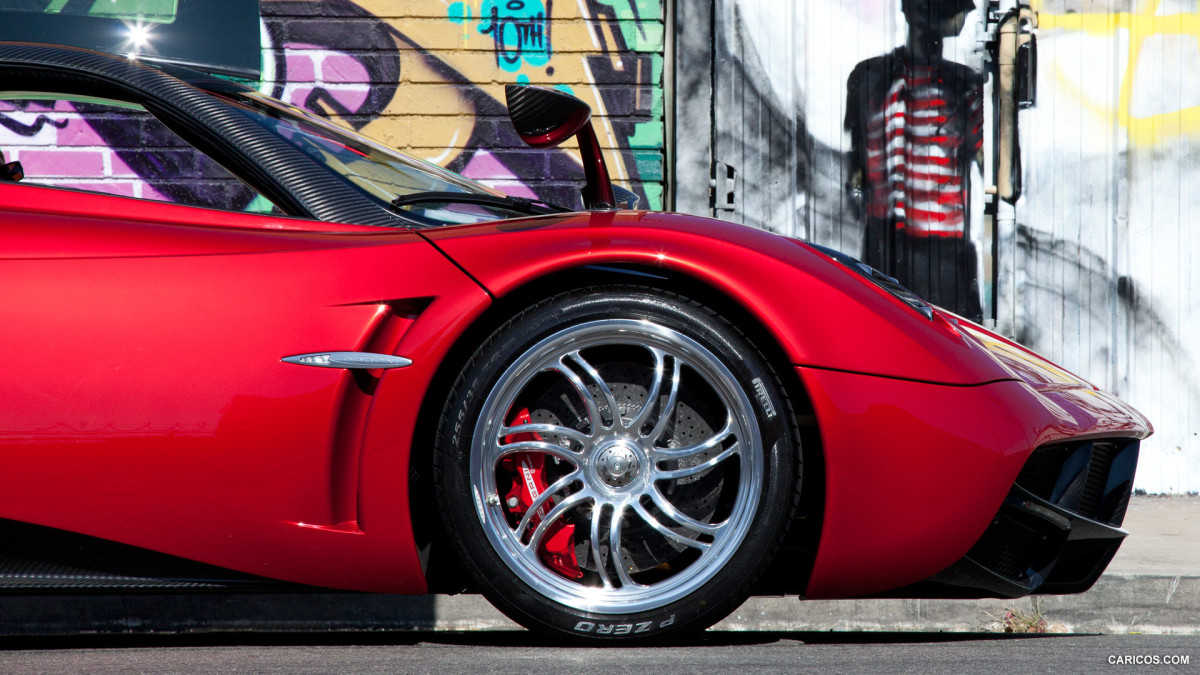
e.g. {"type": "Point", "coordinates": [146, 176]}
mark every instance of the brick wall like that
{"type": "Point", "coordinates": [428, 77]}
{"type": "Point", "coordinates": [110, 149]}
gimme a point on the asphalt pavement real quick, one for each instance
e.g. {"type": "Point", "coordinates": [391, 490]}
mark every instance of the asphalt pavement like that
{"type": "Point", "coordinates": [516, 652]}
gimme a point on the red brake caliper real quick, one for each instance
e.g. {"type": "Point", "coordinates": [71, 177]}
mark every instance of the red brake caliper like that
{"type": "Point", "coordinates": [528, 471]}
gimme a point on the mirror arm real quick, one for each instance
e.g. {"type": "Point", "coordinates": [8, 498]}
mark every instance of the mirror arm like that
{"type": "Point", "coordinates": [598, 192]}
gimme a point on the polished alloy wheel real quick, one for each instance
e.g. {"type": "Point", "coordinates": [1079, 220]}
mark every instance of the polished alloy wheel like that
{"type": "Point", "coordinates": [616, 466]}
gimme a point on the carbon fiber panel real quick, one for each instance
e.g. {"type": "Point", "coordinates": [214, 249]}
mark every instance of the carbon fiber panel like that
{"type": "Point", "coordinates": [42, 559]}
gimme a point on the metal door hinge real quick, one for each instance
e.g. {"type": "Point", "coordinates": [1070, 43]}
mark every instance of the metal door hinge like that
{"type": "Point", "coordinates": [723, 188]}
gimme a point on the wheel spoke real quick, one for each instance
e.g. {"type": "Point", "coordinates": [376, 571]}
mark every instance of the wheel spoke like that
{"type": "Point", "coordinates": [614, 548]}
{"type": "Point", "coordinates": [713, 441]}
{"type": "Point", "coordinates": [660, 373]}
{"type": "Point", "coordinates": [668, 409]}
{"type": "Point", "coordinates": [541, 500]}
{"type": "Point", "coordinates": [538, 447]}
{"type": "Point", "coordinates": [678, 516]}
{"type": "Point", "coordinates": [542, 428]}
{"type": "Point", "coordinates": [555, 513]}
{"type": "Point", "coordinates": [594, 420]}
{"type": "Point", "coordinates": [665, 531]}
{"type": "Point", "coordinates": [609, 399]}
{"type": "Point", "coordinates": [699, 468]}
{"type": "Point", "coordinates": [595, 542]}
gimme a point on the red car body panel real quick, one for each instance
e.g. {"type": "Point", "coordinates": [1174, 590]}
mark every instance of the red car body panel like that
{"type": "Point", "coordinates": [914, 472]}
{"type": "Point", "coordinates": [154, 409]}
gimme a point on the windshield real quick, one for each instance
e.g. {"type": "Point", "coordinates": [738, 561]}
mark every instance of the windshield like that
{"type": "Point", "coordinates": [379, 172]}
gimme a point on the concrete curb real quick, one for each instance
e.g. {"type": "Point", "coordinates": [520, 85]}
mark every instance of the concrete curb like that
{"type": "Point", "coordinates": [1117, 604]}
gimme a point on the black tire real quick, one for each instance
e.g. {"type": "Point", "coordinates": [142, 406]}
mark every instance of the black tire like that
{"type": "Point", "coordinates": [703, 510]}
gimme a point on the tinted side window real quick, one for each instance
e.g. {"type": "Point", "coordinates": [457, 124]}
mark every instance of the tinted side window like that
{"type": "Point", "coordinates": [115, 148]}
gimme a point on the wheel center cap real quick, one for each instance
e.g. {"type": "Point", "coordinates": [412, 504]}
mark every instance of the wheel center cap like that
{"type": "Point", "coordinates": [617, 465]}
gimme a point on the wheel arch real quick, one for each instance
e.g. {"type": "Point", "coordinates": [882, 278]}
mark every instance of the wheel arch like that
{"type": "Point", "coordinates": [793, 565]}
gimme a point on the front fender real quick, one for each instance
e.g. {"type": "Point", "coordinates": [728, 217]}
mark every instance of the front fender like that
{"type": "Point", "coordinates": [821, 314]}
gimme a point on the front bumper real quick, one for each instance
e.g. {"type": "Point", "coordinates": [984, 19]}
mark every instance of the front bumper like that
{"type": "Point", "coordinates": [1057, 530]}
{"type": "Point", "coordinates": [977, 491]}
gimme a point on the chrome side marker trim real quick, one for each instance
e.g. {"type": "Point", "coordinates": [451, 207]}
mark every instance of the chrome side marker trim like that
{"type": "Point", "coordinates": [352, 360]}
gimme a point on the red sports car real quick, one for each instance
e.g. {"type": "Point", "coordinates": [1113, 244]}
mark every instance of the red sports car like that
{"type": "Point", "coordinates": [338, 366]}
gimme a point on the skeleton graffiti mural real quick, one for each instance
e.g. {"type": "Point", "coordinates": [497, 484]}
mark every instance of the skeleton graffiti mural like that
{"type": "Point", "coordinates": [915, 121]}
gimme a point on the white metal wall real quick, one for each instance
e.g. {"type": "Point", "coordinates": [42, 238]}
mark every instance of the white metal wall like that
{"type": "Point", "coordinates": [1099, 268]}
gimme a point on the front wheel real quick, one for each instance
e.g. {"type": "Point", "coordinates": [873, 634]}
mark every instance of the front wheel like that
{"type": "Point", "coordinates": [617, 464]}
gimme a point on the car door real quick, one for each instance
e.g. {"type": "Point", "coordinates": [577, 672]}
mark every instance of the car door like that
{"type": "Point", "coordinates": [144, 396]}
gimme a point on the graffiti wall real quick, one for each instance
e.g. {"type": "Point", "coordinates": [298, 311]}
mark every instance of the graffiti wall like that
{"type": "Point", "coordinates": [426, 76]}
{"type": "Point", "coordinates": [1055, 207]}
{"type": "Point", "coordinates": [1105, 253]}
